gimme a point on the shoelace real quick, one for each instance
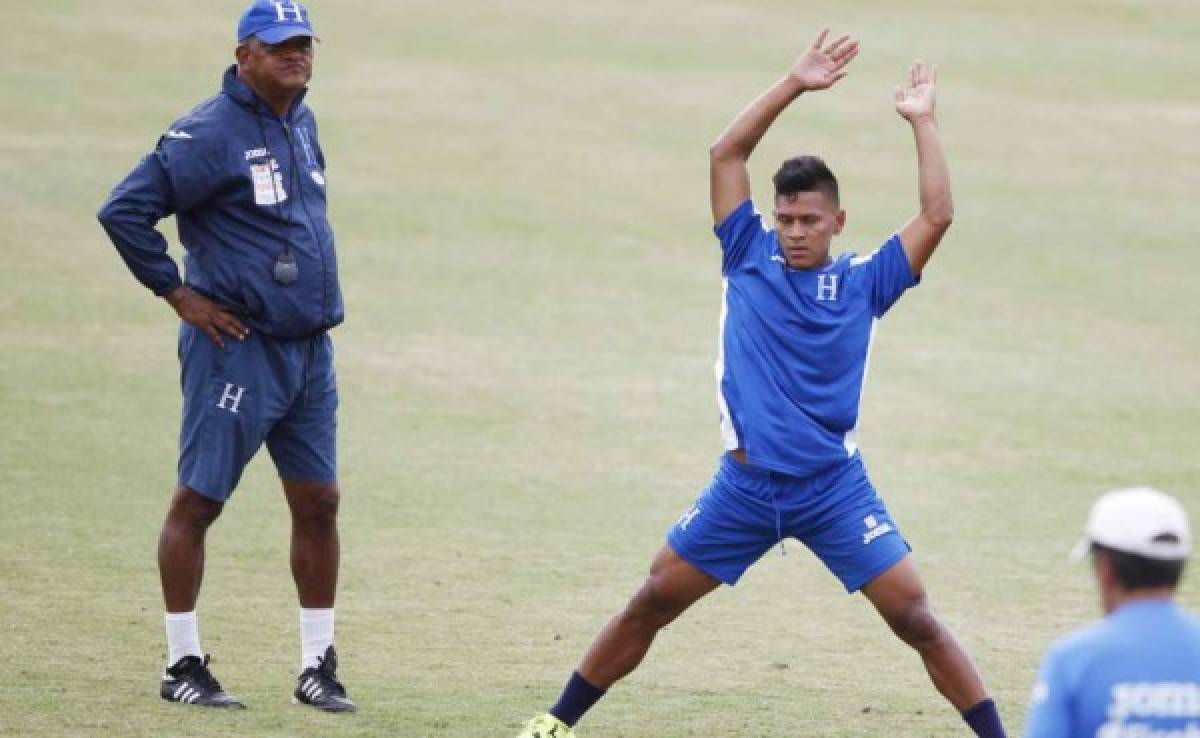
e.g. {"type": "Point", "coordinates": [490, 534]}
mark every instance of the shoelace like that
{"type": "Point", "coordinates": [325, 670]}
{"type": "Point", "coordinates": [202, 676]}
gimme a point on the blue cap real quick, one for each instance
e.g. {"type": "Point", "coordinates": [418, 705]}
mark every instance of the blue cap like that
{"type": "Point", "coordinates": [274, 21]}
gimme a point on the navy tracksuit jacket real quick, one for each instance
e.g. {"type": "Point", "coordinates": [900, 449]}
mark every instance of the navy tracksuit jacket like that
{"type": "Point", "coordinates": [244, 185]}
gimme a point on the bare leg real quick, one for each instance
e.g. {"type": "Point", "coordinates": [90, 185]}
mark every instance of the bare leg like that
{"type": "Point", "coordinates": [315, 545]}
{"type": "Point", "coordinates": [181, 547]}
{"type": "Point", "coordinates": [900, 598]}
{"type": "Point", "coordinates": [672, 586]}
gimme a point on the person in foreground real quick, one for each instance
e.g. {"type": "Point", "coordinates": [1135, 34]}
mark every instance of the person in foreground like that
{"type": "Point", "coordinates": [244, 175]}
{"type": "Point", "coordinates": [1136, 673]}
{"type": "Point", "coordinates": [796, 327]}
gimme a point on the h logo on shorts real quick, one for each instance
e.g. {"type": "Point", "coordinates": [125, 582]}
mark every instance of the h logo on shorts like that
{"type": "Point", "coordinates": [827, 287]}
{"type": "Point", "coordinates": [230, 396]}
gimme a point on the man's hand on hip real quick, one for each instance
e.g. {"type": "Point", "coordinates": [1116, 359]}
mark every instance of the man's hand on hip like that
{"type": "Point", "coordinates": [206, 315]}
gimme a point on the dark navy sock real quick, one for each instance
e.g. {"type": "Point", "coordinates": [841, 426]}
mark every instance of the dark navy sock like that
{"type": "Point", "coordinates": [577, 698]}
{"type": "Point", "coordinates": [984, 720]}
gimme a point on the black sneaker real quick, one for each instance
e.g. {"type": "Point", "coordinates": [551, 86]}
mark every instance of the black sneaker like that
{"type": "Point", "coordinates": [320, 688]}
{"type": "Point", "coordinates": [189, 681]}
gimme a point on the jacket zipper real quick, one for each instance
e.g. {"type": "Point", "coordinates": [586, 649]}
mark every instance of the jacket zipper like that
{"type": "Point", "coordinates": [325, 312]}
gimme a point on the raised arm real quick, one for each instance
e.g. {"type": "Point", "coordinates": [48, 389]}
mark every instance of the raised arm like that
{"type": "Point", "coordinates": [915, 103]}
{"type": "Point", "coordinates": [818, 68]}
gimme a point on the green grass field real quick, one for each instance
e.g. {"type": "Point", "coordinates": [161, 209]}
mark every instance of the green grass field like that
{"type": "Point", "coordinates": [520, 194]}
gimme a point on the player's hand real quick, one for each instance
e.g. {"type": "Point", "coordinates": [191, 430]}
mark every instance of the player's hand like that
{"type": "Point", "coordinates": [206, 315]}
{"type": "Point", "coordinates": [915, 101]}
{"type": "Point", "coordinates": [823, 64]}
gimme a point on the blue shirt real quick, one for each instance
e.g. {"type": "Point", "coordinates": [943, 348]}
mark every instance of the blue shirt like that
{"type": "Point", "coordinates": [244, 185]}
{"type": "Point", "coordinates": [794, 345]}
{"type": "Point", "coordinates": [1135, 674]}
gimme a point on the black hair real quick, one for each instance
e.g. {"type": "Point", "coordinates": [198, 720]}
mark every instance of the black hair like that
{"type": "Point", "coordinates": [1141, 572]}
{"type": "Point", "coordinates": [805, 174]}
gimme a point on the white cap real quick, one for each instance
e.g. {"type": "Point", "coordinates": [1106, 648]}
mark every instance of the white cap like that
{"type": "Point", "coordinates": [1140, 521]}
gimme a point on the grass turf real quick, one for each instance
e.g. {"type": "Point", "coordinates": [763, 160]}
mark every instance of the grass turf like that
{"type": "Point", "coordinates": [519, 192]}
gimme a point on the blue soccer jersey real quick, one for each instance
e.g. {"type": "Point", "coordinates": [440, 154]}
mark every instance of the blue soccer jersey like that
{"type": "Point", "coordinates": [1135, 674]}
{"type": "Point", "coordinates": [794, 345]}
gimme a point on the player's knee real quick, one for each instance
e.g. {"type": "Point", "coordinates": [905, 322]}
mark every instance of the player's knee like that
{"type": "Point", "coordinates": [192, 511]}
{"type": "Point", "coordinates": [318, 507]}
{"type": "Point", "coordinates": [652, 607]}
{"type": "Point", "coordinates": [918, 626]}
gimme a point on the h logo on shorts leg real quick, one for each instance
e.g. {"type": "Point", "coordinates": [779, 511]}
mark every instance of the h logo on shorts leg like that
{"type": "Point", "coordinates": [229, 395]}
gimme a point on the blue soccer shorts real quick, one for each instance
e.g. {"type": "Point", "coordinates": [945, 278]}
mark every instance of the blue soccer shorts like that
{"type": "Point", "coordinates": [746, 510]}
{"type": "Point", "coordinates": [279, 391]}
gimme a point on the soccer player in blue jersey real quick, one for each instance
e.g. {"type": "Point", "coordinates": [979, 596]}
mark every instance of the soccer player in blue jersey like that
{"type": "Point", "coordinates": [1136, 673]}
{"type": "Point", "coordinates": [796, 328]}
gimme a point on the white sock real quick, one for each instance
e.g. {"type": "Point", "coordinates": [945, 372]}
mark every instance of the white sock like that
{"type": "Point", "coordinates": [316, 635]}
{"type": "Point", "coordinates": [183, 637]}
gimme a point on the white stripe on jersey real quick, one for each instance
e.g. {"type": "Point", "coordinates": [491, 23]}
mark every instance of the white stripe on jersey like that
{"type": "Point", "coordinates": [728, 432]}
{"type": "Point", "coordinates": [860, 260]}
{"type": "Point", "coordinates": [850, 440]}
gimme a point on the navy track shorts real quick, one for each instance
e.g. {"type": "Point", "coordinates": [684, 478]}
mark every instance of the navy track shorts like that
{"type": "Point", "coordinates": [281, 391]}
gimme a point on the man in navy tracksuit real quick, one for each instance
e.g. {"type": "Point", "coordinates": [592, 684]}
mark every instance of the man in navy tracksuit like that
{"type": "Point", "coordinates": [245, 177]}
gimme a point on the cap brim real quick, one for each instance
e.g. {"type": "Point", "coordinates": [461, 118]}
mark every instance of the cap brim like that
{"type": "Point", "coordinates": [1080, 551]}
{"type": "Point", "coordinates": [279, 34]}
{"type": "Point", "coordinates": [1084, 547]}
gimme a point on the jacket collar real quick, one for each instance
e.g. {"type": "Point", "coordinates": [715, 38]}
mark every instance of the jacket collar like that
{"type": "Point", "coordinates": [243, 95]}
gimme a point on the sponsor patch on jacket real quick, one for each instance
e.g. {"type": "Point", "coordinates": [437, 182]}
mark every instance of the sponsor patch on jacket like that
{"type": "Point", "coordinates": [268, 189]}
{"type": "Point", "coordinates": [255, 154]}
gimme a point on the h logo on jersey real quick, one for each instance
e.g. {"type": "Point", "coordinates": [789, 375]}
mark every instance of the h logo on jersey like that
{"type": "Point", "coordinates": [234, 398]}
{"type": "Point", "coordinates": [282, 9]}
{"type": "Point", "coordinates": [827, 287]}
